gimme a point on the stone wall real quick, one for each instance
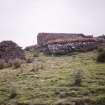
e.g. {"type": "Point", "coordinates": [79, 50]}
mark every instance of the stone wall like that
{"type": "Point", "coordinates": [43, 38]}
{"type": "Point", "coordinates": [70, 47]}
{"type": "Point", "coordinates": [65, 43]}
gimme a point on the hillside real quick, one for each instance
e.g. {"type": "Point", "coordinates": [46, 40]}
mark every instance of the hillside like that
{"type": "Point", "coordinates": [50, 80]}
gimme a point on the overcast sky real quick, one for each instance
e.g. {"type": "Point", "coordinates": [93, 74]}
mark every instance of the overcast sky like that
{"type": "Point", "coordinates": [22, 20]}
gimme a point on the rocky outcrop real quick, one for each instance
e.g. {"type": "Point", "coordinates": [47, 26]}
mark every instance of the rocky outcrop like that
{"type": "Point", "coordinates": [10, 50]}
{"type": "Point", "coordinates": [52, 43]}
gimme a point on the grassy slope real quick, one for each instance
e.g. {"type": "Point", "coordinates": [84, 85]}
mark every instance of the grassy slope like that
{"type": "Point", "coordinates": [54, 78]}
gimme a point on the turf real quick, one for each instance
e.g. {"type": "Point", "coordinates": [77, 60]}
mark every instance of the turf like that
{"type": "Point", "coordinates": [52, 81]}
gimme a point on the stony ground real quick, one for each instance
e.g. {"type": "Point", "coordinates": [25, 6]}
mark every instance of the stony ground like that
{"type": "Point", "coordinates": [50, 80]}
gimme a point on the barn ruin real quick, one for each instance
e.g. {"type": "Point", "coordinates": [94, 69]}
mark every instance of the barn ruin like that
{"type": "Point", "coordinates": [63, 43]}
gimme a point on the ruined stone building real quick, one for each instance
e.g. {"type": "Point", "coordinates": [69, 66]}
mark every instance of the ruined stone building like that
{"type": "Point", "coordinates": [62, 43]}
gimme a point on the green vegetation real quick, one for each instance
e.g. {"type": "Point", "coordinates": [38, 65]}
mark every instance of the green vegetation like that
{"type": "Point", "coordinates": [50, 80]}
{"type": "Point", "coordinates": [101, 56]}
{"type": "Point", "coordinates": [2, 63]}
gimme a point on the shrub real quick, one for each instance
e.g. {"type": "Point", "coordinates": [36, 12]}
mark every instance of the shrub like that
{"type": "Point", "coordinates": [78, 77]}
{"type": "Point", "coordinates": [36, 66]}
{"type": "Point", "coordinates": [29, 60]}
{"type": "Point", "coordinates": [100, 101]}
{"type": "Point", "coordinates": [36, 54]}
{"type": "Point", "coordinates": [10, 63]}
{"type": "Point", "coordinates": [100, 49]}
{"type": "Point", "coordinates": [12, 90]}
{"type": "Point", "coordinates": [16, 63]}
{"type": "Point", "coordinates": [13, 93]}
{"type": "Point", "coordinates": [30, 48]}
{"type": "Point", "coordinates": [101, 57]}
{"type": "Point", "coordinates": [2, 63]}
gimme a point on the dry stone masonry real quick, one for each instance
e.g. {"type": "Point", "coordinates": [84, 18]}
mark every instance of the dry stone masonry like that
{"type": "Point", "coordinates": [61, 43]}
